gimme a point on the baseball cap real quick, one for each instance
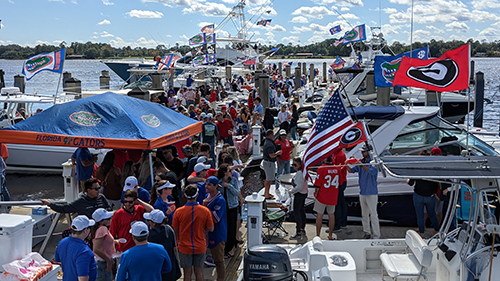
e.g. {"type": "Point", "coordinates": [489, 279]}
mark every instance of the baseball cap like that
{"type": "Point", "coordinates": [81, 222]}
{"type": "Point", "coordinates": [139, 229]}
{"type": "Point", "coordinates": [213, 180]}
{"type": "Point", "coordinates": [365, 148]}
{"type": "Point", "coordinates": [166, 185]}
{"type": "Point", "coordinates": [200, 167]}
{"type": "Point", "coordinates": [130, 183]}
{"type": "Point", "coordinates": [101, 214]}
{"type": "Point", "coordinates": [224, 107]}
{"type": "Point", "coordinates": [436, 151]}
{"type": "Point", "coordinates": [156, 216]}
{"type": "Point", "coordinates": [203, 159]}
{"type": "Point", "coordinates": [282, 132]}
{"type": "Point", "coordinates": [210, 115]}
{"type": "Point", "coordinates": [203, 115]}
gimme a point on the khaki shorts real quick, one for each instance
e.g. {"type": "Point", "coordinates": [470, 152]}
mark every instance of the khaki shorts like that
{"type": "Point", "coordinates": [188, 261]}
{"type": "Point", "coordinates": [270, 169]}
{"type": "Point", "coordinates": [320, 208]}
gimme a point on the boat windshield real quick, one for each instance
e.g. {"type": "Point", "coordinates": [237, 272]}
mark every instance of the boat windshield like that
{"type": "Point", "coordinates": [426, 134]}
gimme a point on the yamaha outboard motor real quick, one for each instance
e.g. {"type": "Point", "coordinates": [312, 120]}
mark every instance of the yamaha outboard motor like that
{"type": "Point", "coordinates": [267, 262]}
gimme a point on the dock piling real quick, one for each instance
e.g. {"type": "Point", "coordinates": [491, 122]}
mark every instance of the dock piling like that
{"type": "Point", "coordinates": [104, 80]}
{"type": "Point", "coordinates": [479, 100]}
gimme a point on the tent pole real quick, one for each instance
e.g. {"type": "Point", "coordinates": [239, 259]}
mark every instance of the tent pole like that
{"type": "Point", "coordinates": [151, 168]}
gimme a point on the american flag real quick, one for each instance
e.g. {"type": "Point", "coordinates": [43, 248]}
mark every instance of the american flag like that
{"type": "Point", "coordinates": [331, 124]}
{"type": "Point", "coordinates": [208, 28]}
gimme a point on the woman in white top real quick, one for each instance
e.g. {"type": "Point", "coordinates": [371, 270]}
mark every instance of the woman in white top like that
{"type": "Point", "coordinates": [284, 117]}
{"type": "Point", "coordinates": [299, 192]}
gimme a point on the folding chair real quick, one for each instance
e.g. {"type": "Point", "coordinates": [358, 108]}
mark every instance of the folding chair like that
{"type": "Point", "coordinates": [273, 221]}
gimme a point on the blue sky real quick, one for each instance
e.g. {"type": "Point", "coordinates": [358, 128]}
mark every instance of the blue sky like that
{"type": "Point", "coordinates": [147, 23]}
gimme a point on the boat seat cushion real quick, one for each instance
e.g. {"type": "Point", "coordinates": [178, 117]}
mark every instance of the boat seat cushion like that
{"type": "Point", "coordinates": [400, 264]}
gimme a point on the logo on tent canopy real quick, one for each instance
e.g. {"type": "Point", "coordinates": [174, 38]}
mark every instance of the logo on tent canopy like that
{"type": "Point", "coordinates": [151, 120]}
{"type": "Point", "coordinates": [85, 118]}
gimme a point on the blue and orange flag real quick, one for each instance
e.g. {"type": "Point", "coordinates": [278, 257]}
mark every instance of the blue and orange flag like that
{"type": "Point", "coordinates": [52, 61]}
{"type": "Point", "coordinates": [335, 29]}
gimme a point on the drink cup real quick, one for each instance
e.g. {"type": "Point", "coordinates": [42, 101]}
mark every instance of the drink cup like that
{"type": "Point", "coordinates": [171, 203]}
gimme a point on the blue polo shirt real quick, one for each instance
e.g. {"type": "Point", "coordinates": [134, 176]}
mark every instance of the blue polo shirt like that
{"type": "Point", "coordinates": [76, 259]}
{"type": "Point", "coordinates": [367, 180]}
{"type": "Point", "coordinates": [202, 192]}
{"type": "Point", "coordinates": [163, 206]}
{"type": "Point", "coordinates": [260, 109]}
{"type": "Point", "coordinates": [143, 262]}
{"type": "Point", "coordinates": [82, 172]}
{"type": "Point", "coordinates": [217, 207]}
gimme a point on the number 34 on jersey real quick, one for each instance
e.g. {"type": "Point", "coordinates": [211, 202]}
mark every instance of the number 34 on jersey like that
{"type": "Point", "coordinates": [327, 179]}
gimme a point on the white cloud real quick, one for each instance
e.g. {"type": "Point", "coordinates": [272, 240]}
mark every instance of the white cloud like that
{"type": "Point", "coordinates": [349, 16]}
{"type": "Point", "coordinates": [145, 14]}
{"type": "Point", "coordinates": [107, 2]}
{"type": "Point", "coordinates": [169, 3]}
{"type": "Point", "coordinates": [57, 1]}
{"type": "Point", "coordinates": [230, 1]}
{"type": "Point", "coordinates": [297, 30]}
{"type": "Point", "coordinates": [390, 10]}
{"type": "Point", "coordinates": [390, 29]}
{"type": "Point", "coordinates": [313, 12]}
{"type": "Point", "coordinates": [485, 4]}
{"type": "Point", "coordinates": [104, 22]}
{"type": "Point", "coordinates": [258, 2]}
{"type": "Point", "coordinates": [319, 29]}
{"type": "Point", "coordinates": [207, 9]}
{"type": "Point", "coordinates": [348, 3]}
{"type": "Point", "coordinates": [489, 34]}
{"type": "Point", "coordinates": [293, 39]}
{"type": "Point", "coordinates": [344, 9]}
{"type": "Point", "coordinates": [40, 42]}
{"type": "Point", "coordinates": [300, 19]}
{"type": "Point", "coordinates": [105, 34]}
{"type": "Point", "coordinates": [74, 2]}
{"type": "Point", "coordinates": [435, 29]}
{"type": "Point", "coordinates": [118, 42]}
{"type": "Point", "coordinates": [315, 39]}
{"type": "Point", "coordinates": [457, 27]}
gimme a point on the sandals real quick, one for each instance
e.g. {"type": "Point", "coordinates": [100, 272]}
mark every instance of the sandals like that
{"type": "Point", "coordinates": [270, 198]}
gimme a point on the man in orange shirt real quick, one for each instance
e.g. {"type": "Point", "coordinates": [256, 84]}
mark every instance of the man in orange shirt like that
{"type": "Point", "coordinates": [190, 223]}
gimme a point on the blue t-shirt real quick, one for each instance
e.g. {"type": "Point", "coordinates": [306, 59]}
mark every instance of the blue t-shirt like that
{"type": "Point", "coordinates": [202, 192]}
{"type": "Point", "coordinates": [76, 259]}
{"type": "Point", "coordinates": [143, 262]}
{"type": "Point", "coordinates": [189, 82]}
{"type": "Point", "coordinates": [367, 180]}
{"type": "Point", "coordinates": [82, 154]}
{"type": "Point", "coordinates": [163, 206]}
{"type": "Point", "coordinates": [217, 207]}
{"type": "Point", "coordinates": [260, 109]}
{"type": "Point", "coordinates": [142, 194]}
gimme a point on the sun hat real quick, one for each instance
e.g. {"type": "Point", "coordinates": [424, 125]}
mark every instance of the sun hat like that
{"type": "Point", "coordinates": [101, 214]}
{"type": "Point", "coordinates": [156, 216]}
{"type": "Point", "coordinates": [166, 185]}
{"type": "Point", "coordinates": [81, 222]}
{"type": "Point", "coordinates": [139, 229]}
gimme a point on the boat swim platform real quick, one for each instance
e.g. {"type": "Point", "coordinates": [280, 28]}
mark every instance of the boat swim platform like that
{"type": "Point", "coordinates": [234, 265]}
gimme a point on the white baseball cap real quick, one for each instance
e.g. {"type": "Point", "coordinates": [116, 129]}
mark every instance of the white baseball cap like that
{"type": "Point", "coordinates": [203, 159]}
{"type": "Point", "coordinates": [282, 132]}
{"type": "Point", "coordinates": [166, 185]}
{"type": "Point", "coordinates": [130, 183]}
{"type": "Point", "coordinates": [200, 167]}
{"type": "Point", "coordinates": [81, 222]}
{"type": "Point", "coordinates": [156, 216]}
{"type": "Point", "coordinates": [210, 115]}
{"type": "Point", "coordinates": [139, 229]}
{"type": "Point", "coordinates": [101, 214]}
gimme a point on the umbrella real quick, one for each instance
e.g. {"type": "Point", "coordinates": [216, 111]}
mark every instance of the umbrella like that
{"type": "Point", "coordinates": [103, 121]}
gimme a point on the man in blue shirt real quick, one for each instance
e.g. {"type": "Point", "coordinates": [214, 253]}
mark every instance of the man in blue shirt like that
{"type": "Point", "coordinates": [216, 203]}
{"type": "Point", "coordinates": [368, 193]}
{"type": "Point", "coordinates": [84, 162]}
{"type": "Point", "coordinates": [76, 258]}
{"type": "Point", "coordinates": [258, 106]}
{"type": "Point", "coordinates": [144, 261]}
{"type": "Point", "coordinates": [189, 81]}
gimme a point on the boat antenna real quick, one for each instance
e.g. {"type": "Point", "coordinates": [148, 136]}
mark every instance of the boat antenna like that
{"type": "Point", "coordinates": [411, 29]}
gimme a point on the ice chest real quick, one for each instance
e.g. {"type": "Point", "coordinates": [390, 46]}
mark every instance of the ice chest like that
{"type": "Point", "coordinates": [41, 226]}
{"type": "Point", "coordinates": [16, 232]}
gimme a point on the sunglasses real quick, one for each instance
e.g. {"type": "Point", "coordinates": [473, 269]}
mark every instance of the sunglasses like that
{"type": "Point", "coordinates": [95, 188]}
{"type": "Point", "coordinates": [295, 165]}
{"type": "Point", "coordinates": [128, 201]}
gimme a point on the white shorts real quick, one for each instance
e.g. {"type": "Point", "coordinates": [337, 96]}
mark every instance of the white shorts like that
{"type": "Point", "coordinates": [320, 208]}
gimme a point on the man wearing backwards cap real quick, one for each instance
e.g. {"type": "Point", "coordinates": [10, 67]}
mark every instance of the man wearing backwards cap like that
{"type": "Point", "coordinates": [76, 258]}
{"type": "Point", "coordinates": [144, 261]}
{"type": "Point", "coordinates": [201, 172]}
{"type": "Point", "coordinates": [190, 223]}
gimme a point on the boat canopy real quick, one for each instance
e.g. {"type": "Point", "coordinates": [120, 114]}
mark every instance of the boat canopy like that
{"type": "Point", "coordinates": [376, 112]}
{"type": "Point", "coordinates": [443, 167]}
{"type": "Point", "coordinates": [107, 120]}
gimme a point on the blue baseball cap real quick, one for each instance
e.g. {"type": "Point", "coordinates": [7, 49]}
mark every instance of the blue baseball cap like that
{"type": "Point", "coordinates": [213, 180]}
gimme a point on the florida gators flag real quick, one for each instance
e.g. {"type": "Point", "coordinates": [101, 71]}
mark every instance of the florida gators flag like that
{"type": "Point", "coordinates": [52, 61]}
{"type": "Point", "coordinates": [449, 72]}
{"type": "Point", "coordinates": [337, 63]}
{"type": "Point", "coordinates": [355, 35]}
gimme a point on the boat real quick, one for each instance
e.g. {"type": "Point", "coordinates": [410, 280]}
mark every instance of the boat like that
{"type": "Point", "coordinates": [398, 130]}
{"type": "Point", "coordinates": [466, 251]}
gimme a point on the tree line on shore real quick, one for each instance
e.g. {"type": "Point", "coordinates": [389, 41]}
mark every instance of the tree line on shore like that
{"type": "Point", "coordinates": [326, 48]}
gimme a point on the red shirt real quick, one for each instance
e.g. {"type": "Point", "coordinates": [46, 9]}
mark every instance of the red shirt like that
{"type": "Point", "coordinates": [250, 103]}
{"type": "Point", "coordinates": [339, 158]}
{"type": "Point", "coordinates": [213, 96]}
{"type": "Point", "coordinates": [233, 113]}
{"type": "Point", "coordinates": [120, 226]}
{"type": "Point", "coordinates": [328, 181]}
{"type": "Point", "coordinates": [192, 219]}
{"type": "Point", "coordinates": [210, 172]}
{"type": "Point", "coordinates": [224, 128]}
{"type": "Point", "coordinates": [286, 148]}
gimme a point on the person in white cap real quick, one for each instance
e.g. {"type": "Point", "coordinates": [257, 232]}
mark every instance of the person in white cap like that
{"type": "Point", "coordinates": [144, 261]}
{"type": "Point", "coordinates": [204, 151]}
{"type": "Point", "coordinates": [194, 177]}
{"type": "Point", "coordinates": [103, 244]}
{"type": "Point", "coordinates": [163, 234]}
{"type": "Point", "coordinates": [76, 258]}
{"type": "Point", "coordinates": [162, 196]}
{"type": "Point", "coordinates": [131, 182]}
{"type": "Point", "coordinates": [133, 210]}
{"type": "Point", "coordinates": [201, 172]}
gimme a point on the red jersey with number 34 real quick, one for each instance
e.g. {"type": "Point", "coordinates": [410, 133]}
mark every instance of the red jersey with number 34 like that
{"type": "Point", "coordinates": [328, 180]}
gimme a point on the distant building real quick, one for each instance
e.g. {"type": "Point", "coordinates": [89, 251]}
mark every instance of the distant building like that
{"type": "Point", "coordinates": [304, 54]}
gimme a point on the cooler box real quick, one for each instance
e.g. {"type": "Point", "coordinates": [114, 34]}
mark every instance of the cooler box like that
{"type": "Point", "coordinates": [41, 226]}
{"type": "Point", "coordinates": [16, 232]}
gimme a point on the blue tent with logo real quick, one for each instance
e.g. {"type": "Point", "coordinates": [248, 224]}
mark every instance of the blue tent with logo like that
{"type": "Point", "coordinates": [106, 120]}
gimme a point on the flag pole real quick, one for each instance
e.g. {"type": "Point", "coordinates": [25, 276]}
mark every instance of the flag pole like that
{"type": "Point", "coordinates": [60, 76]}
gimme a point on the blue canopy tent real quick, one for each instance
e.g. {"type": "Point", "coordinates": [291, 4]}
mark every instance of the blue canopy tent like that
{"type": "Point", "coordinates": [104, 121]}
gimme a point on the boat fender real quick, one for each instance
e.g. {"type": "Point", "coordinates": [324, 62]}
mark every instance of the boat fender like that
{"type": "Point", "coordinates": [318, 244]}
